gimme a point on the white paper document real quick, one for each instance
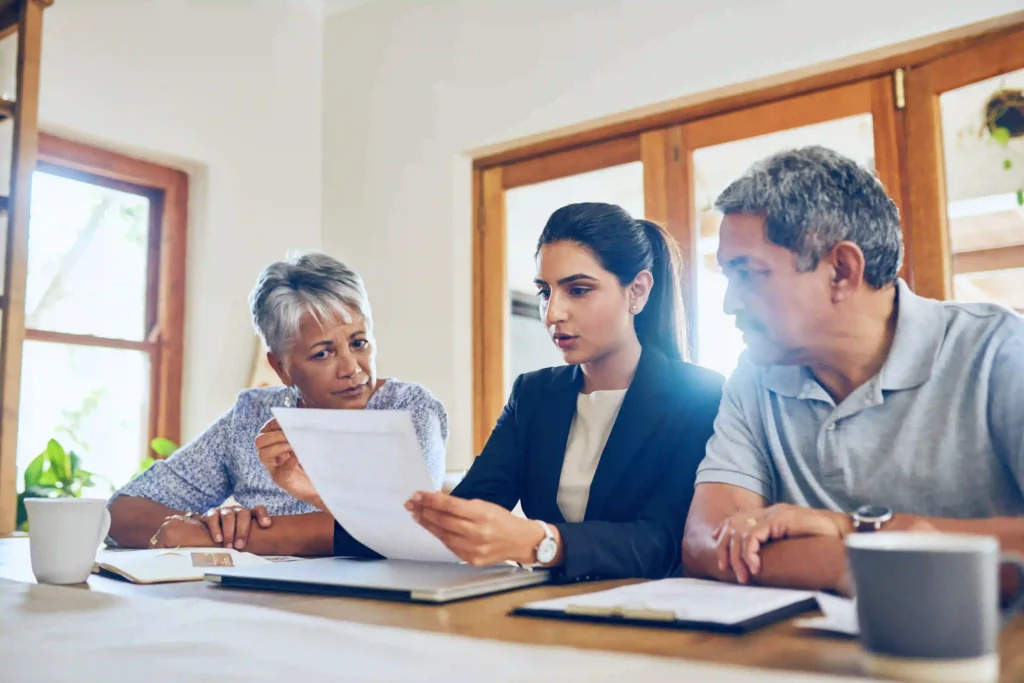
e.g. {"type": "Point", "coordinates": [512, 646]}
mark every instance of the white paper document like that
{"type": "Point", "coordinates": [680, 599]}
{"type": "Point", "coordinates": [365, 464]}
{"type": "Point", "coordinates": [840, 616]}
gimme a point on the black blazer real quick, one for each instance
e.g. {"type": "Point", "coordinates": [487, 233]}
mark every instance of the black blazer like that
{"type": "Point", "coordinates": [643, 486]}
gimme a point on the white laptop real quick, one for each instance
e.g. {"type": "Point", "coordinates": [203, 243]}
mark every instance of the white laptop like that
{"type": "Point", "coordinates": [401, 580]}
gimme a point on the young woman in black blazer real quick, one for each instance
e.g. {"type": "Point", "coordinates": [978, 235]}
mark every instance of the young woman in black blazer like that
{"type": "Point", "coordinates": [612, 441]}
{"type": "Point", "coordinates": [602, 453]}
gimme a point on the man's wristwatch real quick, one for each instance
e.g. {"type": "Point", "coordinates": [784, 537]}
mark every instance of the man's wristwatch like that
{"type": "Point", "coordinates": [870, 517]}
{"type": "Point", "coordinates": [547, 549]}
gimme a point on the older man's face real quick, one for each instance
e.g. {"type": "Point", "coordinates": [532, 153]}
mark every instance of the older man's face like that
{"type": "Point", "coordinates": [781, 312]}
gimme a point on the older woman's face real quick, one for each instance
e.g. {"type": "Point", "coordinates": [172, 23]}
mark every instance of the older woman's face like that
{"type": "Point", "coordinates": [332, 365]}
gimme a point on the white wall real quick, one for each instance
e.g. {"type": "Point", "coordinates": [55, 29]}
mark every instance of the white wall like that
{"type": "Point", "coordinates": [231, 93]}
{"type": "Point", "coordinates": [410, 87]}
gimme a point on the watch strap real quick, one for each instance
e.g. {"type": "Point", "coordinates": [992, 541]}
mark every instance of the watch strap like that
{"type": "Point", "coordinates": [549, 535]}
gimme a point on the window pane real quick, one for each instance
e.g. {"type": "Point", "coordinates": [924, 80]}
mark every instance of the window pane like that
{"type": "Point", "coordinates": [1004, 286]}
{"type": "Point", "coordinates": [983, 140]}
{"type": "Point", "coordinates": [92, 400]}
{"type": "Point", "coordinates": [719, 343]}
{"type": "Point", "coordinates": [527, 210]}
{"type": "Point", "coordinates": [87, 259]}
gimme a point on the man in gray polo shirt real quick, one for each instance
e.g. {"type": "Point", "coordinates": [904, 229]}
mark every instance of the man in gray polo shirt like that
{"type": "Point", "coordinates": [859, 405]}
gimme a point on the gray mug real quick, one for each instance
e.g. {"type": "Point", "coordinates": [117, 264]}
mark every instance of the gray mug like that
{"type": "Point", "coordinates": [928, 604]}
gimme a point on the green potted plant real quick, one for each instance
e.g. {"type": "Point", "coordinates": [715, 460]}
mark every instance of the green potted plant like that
{"type": "Point", "coordinates": [54, 473]}
{"type": "Point", "coordinates": [58, 473]}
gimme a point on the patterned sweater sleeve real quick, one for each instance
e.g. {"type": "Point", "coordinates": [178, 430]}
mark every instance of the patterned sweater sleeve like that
{"type": "Point", "coordinates": [196, 477]}
{"type": "Point", "coordinates": [430, 420]}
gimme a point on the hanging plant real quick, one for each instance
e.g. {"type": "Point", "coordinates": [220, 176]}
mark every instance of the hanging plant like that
{"type": "Point", "coordinates": [1004, 115]}
{"type": "Point", "coordinates": [1004, 121]}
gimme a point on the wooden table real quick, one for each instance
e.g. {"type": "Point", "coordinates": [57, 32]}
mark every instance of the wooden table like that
{"type": "Point", "coordinates": [782, 646]}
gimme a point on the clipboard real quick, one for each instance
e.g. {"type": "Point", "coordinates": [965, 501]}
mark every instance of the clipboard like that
{"type": "Point", "coordinates": [648, 615]}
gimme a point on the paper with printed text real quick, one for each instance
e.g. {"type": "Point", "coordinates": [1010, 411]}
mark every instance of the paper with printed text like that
{"type": "Point", "coordinates": [365, 464]}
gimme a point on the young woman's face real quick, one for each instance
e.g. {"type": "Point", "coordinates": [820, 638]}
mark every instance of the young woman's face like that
{"type": "Point", "coordinates": [586, 310]}
{"type": "Point", "coordinates": [332, 365]}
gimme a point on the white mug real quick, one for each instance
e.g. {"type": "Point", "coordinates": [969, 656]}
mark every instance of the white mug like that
{"type": "Point", "coordinates": [64, 534]}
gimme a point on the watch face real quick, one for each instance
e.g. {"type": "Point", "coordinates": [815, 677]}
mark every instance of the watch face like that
{"type": "Point", "coordinates": [547, 550]}
{"type": "Point", "coordinates": [871, 512]}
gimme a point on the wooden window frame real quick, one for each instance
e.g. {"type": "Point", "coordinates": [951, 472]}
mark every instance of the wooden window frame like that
{"type": "Point", "coordinates": [24, 18]}
{"type": "Point", "coordinates": [167, 191]}
{"type": "Point", "coordinates": [935, 262]}
{"type": "Point", "coordinates": [664, 138]}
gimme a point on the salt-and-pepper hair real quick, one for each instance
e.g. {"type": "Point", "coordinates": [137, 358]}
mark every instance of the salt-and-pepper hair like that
{"type": "Point", "coordinates": [812, 199]}
{"type": "Point", "coordinates": [309, 283]}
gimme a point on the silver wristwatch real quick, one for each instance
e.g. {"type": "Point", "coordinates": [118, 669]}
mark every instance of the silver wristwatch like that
{"type": "Point", "coordinates": [870, 517]}
{"type": "Point", "coordinates": [547, 549]}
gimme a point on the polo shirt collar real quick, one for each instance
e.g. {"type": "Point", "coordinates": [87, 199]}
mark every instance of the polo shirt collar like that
{"type": "Point", "coordinates": [920, 330]}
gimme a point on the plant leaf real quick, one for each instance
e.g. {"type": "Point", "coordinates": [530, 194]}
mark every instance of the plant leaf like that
{"type": "Point", "coordinates": [59, 462]}
{"type": "Point", "coordinates": [163, 447]}
{"type": "Point", "coordinates": [34, 471]}
{"type": "Point", "coordinates": [1007, 164]}
{"type": "Point", "coordinates": [146, 463]}
{"type": "Point", "coordinates": [1020, 197]}
{"type": "Point", "coordinates": [1001, 135]}
{"type": "Point", "coordinates": [49, 475]}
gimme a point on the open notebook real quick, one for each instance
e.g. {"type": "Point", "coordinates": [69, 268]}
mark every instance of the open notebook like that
{"type": "Point", "coordinates": [679, 603]}
{"type": "Point", "coordinates": [165, 565]}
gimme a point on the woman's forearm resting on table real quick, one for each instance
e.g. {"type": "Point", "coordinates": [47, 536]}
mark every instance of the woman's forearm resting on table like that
{"type": "Point", "coordinates": [133, 521]}
{"type": "Point", "coordinates": [308, 534]}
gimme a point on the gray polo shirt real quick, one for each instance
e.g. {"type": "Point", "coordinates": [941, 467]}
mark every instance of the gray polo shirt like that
{"type": "Point", "coordinates": [938, 432]}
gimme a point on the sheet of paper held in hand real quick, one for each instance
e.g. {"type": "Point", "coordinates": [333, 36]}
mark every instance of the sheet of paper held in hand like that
{"type": "Point", "coordinates": [365, 464]}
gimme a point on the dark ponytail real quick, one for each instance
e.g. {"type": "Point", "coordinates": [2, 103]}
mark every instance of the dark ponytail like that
{"type": "Point", "coordinates": [624, 247]}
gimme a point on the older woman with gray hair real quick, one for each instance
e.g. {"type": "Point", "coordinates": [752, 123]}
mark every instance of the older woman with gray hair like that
{"type": "Point", "coordinates": [314, 316]}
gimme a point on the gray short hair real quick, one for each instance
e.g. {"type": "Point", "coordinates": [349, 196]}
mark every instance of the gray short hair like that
{"type": "Point", "coordinates": [813, 198]}
{"type": "Point", "coordinates": [314, 282]}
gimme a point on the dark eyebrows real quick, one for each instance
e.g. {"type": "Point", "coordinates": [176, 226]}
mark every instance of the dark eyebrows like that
{"type": "Point", "coordinates": [356, 334]}
{"type": "Point", "coordinates": [745, 261]}
{"type": "Point", "coordinates": [567, 280]}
